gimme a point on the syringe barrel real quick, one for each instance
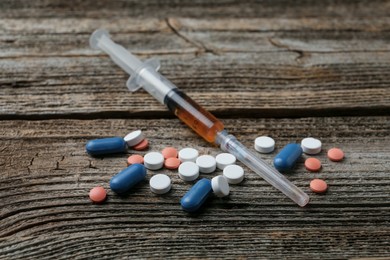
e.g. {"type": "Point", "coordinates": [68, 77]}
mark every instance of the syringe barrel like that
{"type": "Point", "coordinates": [229, 143]}
{"type": "Point", "coordinates": [193, 115]}
{"type": "Point", "coordinates": [154, 83]}
{"type": "Point", "coordinates": [197, 118]}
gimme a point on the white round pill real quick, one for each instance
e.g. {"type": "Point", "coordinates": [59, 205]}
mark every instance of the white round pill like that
{"type": "Point", "coordinates": [153, 160]}
{"type": "Point", "coordinates": [225, 159]}
{"type": "Point", "coordinates": [234, 174]}
{"type": "Point", "coordinates": [311, 145]}
{"type": "Point", "coordinates": [206, 163]}
{"type": "Point", "coordinates": [188, 171]}
{"type": "Point", "coordinates": [264, 144]}
{"type": "Point", "coordinates": [134, 138]}
{"type": "Point", "coordinates": [188, 155]}
{"type": "Point", "coordinates": [160, 184]}
{"type": "Point", "coordinates": [220, 186]}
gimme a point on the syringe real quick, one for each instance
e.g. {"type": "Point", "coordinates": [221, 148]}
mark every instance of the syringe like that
{"type": "Point", "coordinates": [145, 75]}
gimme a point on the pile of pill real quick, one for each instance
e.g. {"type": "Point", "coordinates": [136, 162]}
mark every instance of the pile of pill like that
{"type": "Point", "coordinates": [187, 161]}
{"type": "Point", "coordinates": [190, 164]}
{"type": "Point", "coordinates": [289, 155]}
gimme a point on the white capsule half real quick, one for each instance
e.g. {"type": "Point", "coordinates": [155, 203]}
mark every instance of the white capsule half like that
{"type": "Point", "coordinates": [220, 186]}
{"type": "Point", "coordinates": [134, 138]}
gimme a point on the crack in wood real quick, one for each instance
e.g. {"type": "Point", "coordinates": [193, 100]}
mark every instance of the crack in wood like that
{"type": "Point", "coordinates": [202, 48]}
{"type": "Point", "coordinates": [301, 53]}
{"type": "Point", "coordinates": [77, 179]}
{"type": "Point", "coordinates": [57, 168]}
{"type": "Point", "coordinates": [31, 161]}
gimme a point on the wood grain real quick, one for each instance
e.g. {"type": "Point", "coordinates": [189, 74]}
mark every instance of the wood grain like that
{"type": "Point", "coordinates": [279, 68]}
{"type": "Point", "coordinates": [45, 209]}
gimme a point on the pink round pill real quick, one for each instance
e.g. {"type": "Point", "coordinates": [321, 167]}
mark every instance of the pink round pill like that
{"type": "Point", "coordinates": [318, 186]}
{"type": "Point", "coordinates": [135, 158]}
{"type": "Point", "coordinates": [313, 164]}
{"type": "Point", "coordinates": [144, 144]}
{"type": "Point", "coordinates": [169, 152]}
{"type": "Point", "coordinates": [97, 194]}
{"type": "Point", "coordinates": [335, 154]}
{"type": "Point", "coordinates": [172, 163]}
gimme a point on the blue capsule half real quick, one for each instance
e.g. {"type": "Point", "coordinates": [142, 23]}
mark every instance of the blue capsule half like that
{"type": "Point", "coordinates": [125, 180]}
{"type": "Point", "coordinates": [106, 146]}
{"type": "Point", "coordinates": [287, 157]}
{"type": "Point", "coordinates": [196, 196]}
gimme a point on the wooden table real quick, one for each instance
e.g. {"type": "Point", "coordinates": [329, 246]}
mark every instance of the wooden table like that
{"type": "Point", "coordinates": [287, 70]}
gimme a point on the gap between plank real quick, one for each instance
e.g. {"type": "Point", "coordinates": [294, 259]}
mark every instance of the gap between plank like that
{"type": "Point", "coordinates": [230, 113]}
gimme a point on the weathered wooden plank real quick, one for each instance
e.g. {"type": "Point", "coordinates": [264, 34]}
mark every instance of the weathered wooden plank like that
{"type": "Point", "coordinates": [126, 24]}
{"type": "Point", "coordinates": [191, 8]}
{"type": "Point", "coordinates": [49, 44]}
{"type": "Point", "coordinates": [48, 70]}
{"type": "Point", "coordinates": [247, 60]}
{"type": "Point", "coordinates": [282, 24]}
{"type": "Point", "coordinates": [69, 37]}
{"type": "Point", "coordinates": [204, 243]}
{"type": "Point", "coordinates": [264, 84]}
{"type": "Point", "coordinates": [74, 26]}
{"type": "Point", "coordinates": [46, 176]}
{"type": "Point", "coordinates": [313, 35]}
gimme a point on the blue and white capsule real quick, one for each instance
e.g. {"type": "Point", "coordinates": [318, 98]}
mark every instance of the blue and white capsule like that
{"type": "Point", "coordinates": [125, 180]}
{"type": "Point", "coordinates": [103, 146]}
{"type": "Point", "coordinates": [287, 157]}
{"type": "Point", "coordinates": [196, 196]}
